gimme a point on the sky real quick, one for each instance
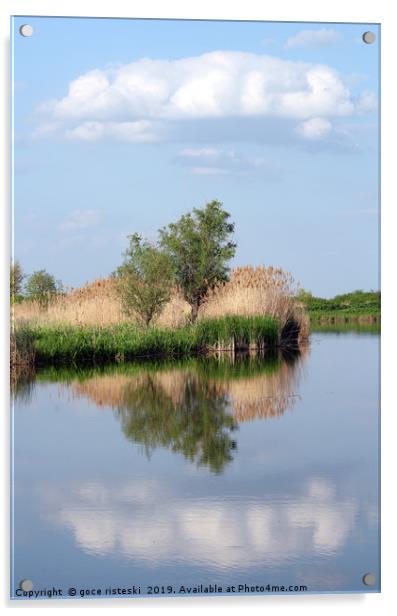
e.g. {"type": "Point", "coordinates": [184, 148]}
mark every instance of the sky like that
{"type": "Point", "coordinates": [123, 125]}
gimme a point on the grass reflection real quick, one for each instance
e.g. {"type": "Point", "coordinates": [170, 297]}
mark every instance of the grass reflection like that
{"type": "Point", "coordinates": [191, 407]}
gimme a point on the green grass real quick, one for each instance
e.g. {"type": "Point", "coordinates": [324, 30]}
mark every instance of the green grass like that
{"type": "Point", "coordinates": [358, 306]}
{"type": "Point", "coordinates": [66, 344]}
{"type": "Point", "coordinates": [236, 332]}
{"type": "Point", "coordinates": [357, 303]}
{"type": "Point", "coordinates": [69, 344]}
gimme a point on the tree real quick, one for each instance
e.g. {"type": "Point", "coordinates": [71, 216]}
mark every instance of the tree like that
{"type": "Point", "coordinates": [200, 249]}
{"type": "Point", "coordinates": [144, 281]}
{"type": "Point", "coordinates": [42, 286]}
{"type": "Point", "coordinates": [16, 279]}
{"type": "Point", "coordinates": [303, 295]}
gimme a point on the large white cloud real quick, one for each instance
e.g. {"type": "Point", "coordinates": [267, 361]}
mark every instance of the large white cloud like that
{"type": "Point", "coordinates": [140, 101]}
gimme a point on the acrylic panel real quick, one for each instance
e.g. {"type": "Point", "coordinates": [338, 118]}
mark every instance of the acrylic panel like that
{"type": "Point", "coordinates": [195, 303]}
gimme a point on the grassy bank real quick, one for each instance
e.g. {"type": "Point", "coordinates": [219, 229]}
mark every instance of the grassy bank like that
{"type": "Point", "coordinates": [340, 317]}
{"type": "Point", "coordinates": [348, 326]}
{"type": "Point", "coordinates": [67, 344]}
{"type": "Point", "coordinates": [358, 307]}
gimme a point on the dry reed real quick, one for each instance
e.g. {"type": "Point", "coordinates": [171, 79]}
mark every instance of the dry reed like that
{"type": "Point", "coordinates": [249, 292]}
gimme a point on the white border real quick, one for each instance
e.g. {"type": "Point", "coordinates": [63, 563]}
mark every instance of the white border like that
{"type": "Point", "coordinates": [374, 11]}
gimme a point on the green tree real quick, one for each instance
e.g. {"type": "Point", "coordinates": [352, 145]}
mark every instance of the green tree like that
{"type": "Point", "coordinates": [304, 296]}
{"type": "Point", "coordinates": [16, 280]}
{"type": "Point", "coordinates": [200, 249]}
{"type": "Point", "coordinates": [42, 287]}
{"type": "Point", "coordinates": [144, 281]}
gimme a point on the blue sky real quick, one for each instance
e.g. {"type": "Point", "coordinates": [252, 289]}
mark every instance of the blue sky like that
{"type": "Point", "coordinates": [120, 126]}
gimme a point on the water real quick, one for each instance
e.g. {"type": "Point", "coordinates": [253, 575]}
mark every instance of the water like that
{"type": "Point", "coordinates": [197, 473]}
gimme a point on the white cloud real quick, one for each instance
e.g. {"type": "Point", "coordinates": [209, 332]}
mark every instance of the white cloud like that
{"type": "Point", "coordinates": [210, 161]}
{"type": "Point", "coordinates": [192, 153]}
{"type": "Point", "coordinates": [88, 131]}
{"type": "Point", "coordinates": [209, 171]}
{"type": "Point", "coordinates": [316, 128]}
{"type": "Point", "coordinates": [313, 38]}
{"type": "Point", "coordinates": [146, 100]}
{"type": "Point", "coordinates": [80, 219]}
{"type": "Point", "coordinates": [135, 132]}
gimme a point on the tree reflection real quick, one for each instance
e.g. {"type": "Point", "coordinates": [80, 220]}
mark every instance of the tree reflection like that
{"type": "Point", "coordinates": [197, 424]}
{"type": "Point", "coordinates": [191, 407]}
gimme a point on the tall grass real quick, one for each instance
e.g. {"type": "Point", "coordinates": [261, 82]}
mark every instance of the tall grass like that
{"type": "Point", "coordinates": [256, 308]}
{"type": "Point", "coordinates": [261, 291]}
{"type": "Point", "coordinates": [234, 333]}
{"type": "Point", "coordinates": [22, 346]}
{"type": "Point", "coordinates": [255, 291]}
{"type": "Point", "coordinates": [22, 354]}
{"type": "Point", "coordinates": [95, 304]}
{"type": "Point", "coordinates": [69, 344]}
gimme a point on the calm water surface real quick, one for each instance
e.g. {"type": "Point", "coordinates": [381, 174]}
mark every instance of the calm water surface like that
{"type": "Point", "coordinates": [199, 472]}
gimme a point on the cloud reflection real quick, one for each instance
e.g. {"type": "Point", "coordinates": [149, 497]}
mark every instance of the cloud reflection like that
{"type": "Point", "coordinates": [143, 520]}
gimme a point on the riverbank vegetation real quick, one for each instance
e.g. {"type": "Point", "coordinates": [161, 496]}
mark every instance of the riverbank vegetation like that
{"type": "Point", "coordinates": [172, 297]}
{"type": "Point", "coordinates": [254, 309]}
{"type": "Point", "coordinates": [360, 307]}
{"type": "Point", "coordinates": [66, 344]}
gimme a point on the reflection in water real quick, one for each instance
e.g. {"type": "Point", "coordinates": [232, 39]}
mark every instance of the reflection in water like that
{"type": "Point", "coordinates": [22, 385]}
{"type": "Point", "coordinates": [141, 520]}
{"type": "Point", "coordinates": [194, 407]}
{"type": "Point", "coordinates": [349, 326]}
{"type": "Point", "coordinates": [194, 422]}
{"type": "Point", "coordinates": [298, 503]}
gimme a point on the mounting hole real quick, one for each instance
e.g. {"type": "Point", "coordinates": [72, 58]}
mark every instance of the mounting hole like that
{"type": "Point", "coordinates": [26, 30]}
{"type": "Point", "coordinates": [369, 579]}
{"type": "Point", "coordinates": [369, 37]}
{"type": "Point", "coordinates": [26, 585]}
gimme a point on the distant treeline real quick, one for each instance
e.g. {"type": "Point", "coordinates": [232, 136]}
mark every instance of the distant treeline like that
{"type": "Point", "coordinates": [358, 308]}
{"type": "Point", "coordinates": [356, 302]}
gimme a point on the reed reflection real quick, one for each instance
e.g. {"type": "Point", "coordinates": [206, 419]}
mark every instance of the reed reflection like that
{"type": "Point", "coordinates": [22, 384]}
{"type": "Point", "coordinates": [194, 407]}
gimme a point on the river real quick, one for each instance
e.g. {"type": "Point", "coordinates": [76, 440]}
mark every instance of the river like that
{"type": "Point", "coordinates": [229, 472]}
